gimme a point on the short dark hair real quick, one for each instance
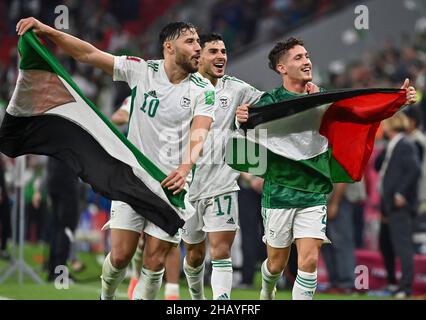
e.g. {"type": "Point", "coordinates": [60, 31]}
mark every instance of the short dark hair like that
{"type": "Point", "coordinates": [173, 30]}
{"type": "Point", "coordinates": [413, 112]}
{"type": "Point", "coordinates": [280, 49]}
{"type": "Point", "coordinates": [209, 37]}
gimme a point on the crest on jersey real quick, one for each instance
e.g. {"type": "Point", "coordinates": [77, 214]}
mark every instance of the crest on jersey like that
{"type": "Point", "coordinates": [185, 102]}
{"type": "Point", "coordinates": [224, 102]}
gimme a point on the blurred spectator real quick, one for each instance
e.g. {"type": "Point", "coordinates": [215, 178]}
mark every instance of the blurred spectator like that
{"type": "Point", "coordinates": [35, 199]}
{"type": "Point", "coordinates": [249, 203]}
{"type": "Point", "coordinates": [418, 137]}
{"type": "Point", "coordinates": [258, 21]}
{"type": "Point", "coordinates": [63, 187]}
{"type": "Point", "coordinates": [4, 214]}
{"type": "Point", "coordinates": [22, 8]}
{"type": "Point", "coordinates": [128, 26]}
{"type": "Point", "coordinates": [399, 170]}
{"type": "Point", "coordinates": [339, 256]}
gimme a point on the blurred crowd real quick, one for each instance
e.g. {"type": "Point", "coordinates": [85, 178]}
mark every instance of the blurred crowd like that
{"type": "Point", "coordinates": [131, 27]}
{"type": "Point", "coordinates": [126, 27]}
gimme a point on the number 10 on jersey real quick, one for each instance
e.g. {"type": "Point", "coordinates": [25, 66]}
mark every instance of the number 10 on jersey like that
{"type": "Point", "coordinates": [151, 103]}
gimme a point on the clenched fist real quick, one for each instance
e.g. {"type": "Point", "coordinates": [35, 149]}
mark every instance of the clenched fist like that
{"type": "Point", "coordinates": [242, 113]}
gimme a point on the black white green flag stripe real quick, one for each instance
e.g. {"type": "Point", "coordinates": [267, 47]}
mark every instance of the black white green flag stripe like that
{"type": "Point", "coordinates": [311, 141]}
{"type": "Point", "coordinates": [48, 114]}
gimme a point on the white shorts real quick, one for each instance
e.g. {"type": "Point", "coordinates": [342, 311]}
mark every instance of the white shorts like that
{"type": "Point", "coordinates": [213, 214]}
{"type": "Point", "coordinates": [283, 226]}
{"type": "Point", "coordinates": [124, 217]}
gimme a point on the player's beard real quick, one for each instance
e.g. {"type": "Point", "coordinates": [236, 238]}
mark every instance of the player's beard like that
{"type": "Point", "coordinates": [185, 63]}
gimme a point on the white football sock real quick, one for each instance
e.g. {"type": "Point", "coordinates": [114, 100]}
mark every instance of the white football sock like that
{"type": "Point", "coordinates": [305, 285]}
{"type": "Point", "coordinates": [148, 285]}
{"type": "Point", "coordinates": [269, 282]}
{"type": "Point", "coordinates": [111, 278]}
{"type": "Point", "coordinates": [221, 279]}
{"type": "Point", "coordinates": [195, 279]}
{"type": "Point", "coordinates": [137, 261]}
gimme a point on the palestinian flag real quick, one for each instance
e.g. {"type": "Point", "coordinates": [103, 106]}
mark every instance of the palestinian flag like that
{"type": "Point", "coordinates": [328, 134]}
{"type": "Point", "coordinates": [49, 115]}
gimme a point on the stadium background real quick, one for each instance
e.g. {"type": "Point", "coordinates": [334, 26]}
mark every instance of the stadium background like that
{"type": "Point", "coordinates": [391, 48]}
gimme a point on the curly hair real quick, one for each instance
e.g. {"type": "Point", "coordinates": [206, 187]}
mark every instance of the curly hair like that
{"type": "Point", "coordinates": [280, 49]}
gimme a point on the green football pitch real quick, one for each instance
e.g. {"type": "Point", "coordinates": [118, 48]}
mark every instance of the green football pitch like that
{"type": "Point", "coordinates": [87, 285]}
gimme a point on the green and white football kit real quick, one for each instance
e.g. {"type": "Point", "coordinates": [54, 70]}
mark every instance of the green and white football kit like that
{"type": "Point", "coordinates": [159, 126]}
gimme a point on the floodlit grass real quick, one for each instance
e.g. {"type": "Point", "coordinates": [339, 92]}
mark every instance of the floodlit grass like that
{"type": "Point", "coordinates": [88, 284]}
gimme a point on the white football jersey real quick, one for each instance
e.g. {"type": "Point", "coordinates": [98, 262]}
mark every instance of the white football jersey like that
{"type": "Point", "coordinates": [161, 112]}
{"type": "Point", "coordinates": [212, 175]}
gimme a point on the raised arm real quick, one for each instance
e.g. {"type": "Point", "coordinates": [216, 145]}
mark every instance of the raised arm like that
{"type": "Point", "coordinates": [80, 50]}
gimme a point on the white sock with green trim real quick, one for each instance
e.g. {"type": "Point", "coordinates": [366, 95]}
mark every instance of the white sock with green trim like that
{"type": "Point", "coordinates": [137, 261]}
{"type": "Point", "coordinates": [269, 282]}
{"type": "Point", "coordinates": [111, 277]}
{"type": "Point", "coordinates": [305, 285]}
{"type": "Point", "coordinates": [195, 279]}
{"type": "Point", "coordinates": [221, 279]}
{"type": "Point", "coordinates": [148, 285]}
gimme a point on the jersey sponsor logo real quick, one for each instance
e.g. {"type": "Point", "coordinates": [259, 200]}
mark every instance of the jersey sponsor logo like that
{"type": "Point", "coordinates": [185, 102]}
{"type": "Point", "coordinates": [223, 296]}
{"type": "Point", "coordinates": [231, 221]}
{"type": "Point", "coordinates": [134, 58]}
{"type": "Point", "coordinates": [308, 294]}
{"type": "Point", "coordinates": [152, 93]}
{"type": "Point", "coordinates": [224, 102]}
{"type": "Point", "coordinates": [209, 97]}
{"type": "Point", "coordinates": [153, 65]}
